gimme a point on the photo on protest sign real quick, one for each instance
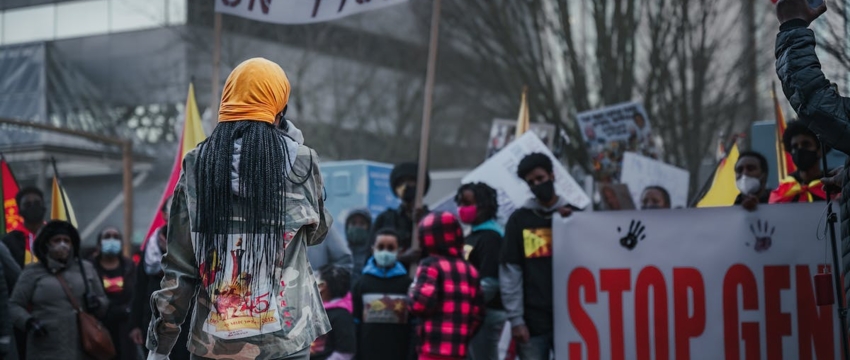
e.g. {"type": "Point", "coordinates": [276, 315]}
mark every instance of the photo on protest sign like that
{"type": "Point", "coordinates": [702, 284]}
{"type": "Point", "coordinates": [640, 172]}
{"type": "Point", "coordinates": [500, 172]}
{"type": "Point", "coordinates": [503, 132]}
{"type": "Point", "coordinates": [615, 197]}
{"type": "Point", "coordinates": [610, 132]}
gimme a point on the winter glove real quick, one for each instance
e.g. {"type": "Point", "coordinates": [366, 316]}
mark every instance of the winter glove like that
{"type": "Point", "coordinates": [36, 328]}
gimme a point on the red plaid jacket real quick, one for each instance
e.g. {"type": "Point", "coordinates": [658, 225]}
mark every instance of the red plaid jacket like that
{"type": "Point", "coordinates": [445, 293]}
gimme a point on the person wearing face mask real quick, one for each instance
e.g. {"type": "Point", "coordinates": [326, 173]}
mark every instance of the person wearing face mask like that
{"type": "Point", "coordinates": [525, 271]}
{"type": "Point", "coordinates": [118, 275]}
{"type": "Point", "coordinates": [21, 239]}
{"type": "Point", "coordinates": [403, 183]}
{"type": "Point", "coordinates": [751, 179]}
{"type": "Point", "coordinates": [803, 185]}
{"type": "Point", "coordinates": [40, 305]}
{"type": "Point", "coordinates": [654, 197]}
{"type": "Point", "coordinates": [358, 226]}
{"type": "Point", "coordinates": [478, 206]}
{"type": "Point", "coordinates": [380, 303]}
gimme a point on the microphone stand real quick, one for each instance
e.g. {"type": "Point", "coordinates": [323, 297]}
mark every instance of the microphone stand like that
{"type": "Point", "coordinates": [831, 219]}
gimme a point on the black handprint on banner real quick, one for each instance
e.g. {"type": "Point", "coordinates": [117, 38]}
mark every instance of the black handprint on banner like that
{"type": "Point", "coordinates": [764, 235]}
{"type": "Point", "coordinates": [635, 234]}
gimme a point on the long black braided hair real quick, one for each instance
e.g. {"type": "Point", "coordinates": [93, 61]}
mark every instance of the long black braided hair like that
{"type": "Point", "coordinates": [258, 210]}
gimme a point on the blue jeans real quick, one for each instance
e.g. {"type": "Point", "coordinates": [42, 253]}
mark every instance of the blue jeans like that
{"type": "Point", "coordinates": [485, 344]}
{"type": "Point", "coordinates": [537, 348]}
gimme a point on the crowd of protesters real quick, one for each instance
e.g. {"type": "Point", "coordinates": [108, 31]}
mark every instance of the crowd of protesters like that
{"type": "Point", "coordinates": [363, 301]}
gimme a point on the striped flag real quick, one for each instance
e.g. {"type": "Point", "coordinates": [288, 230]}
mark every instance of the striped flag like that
{"type": "Point", "coordinates": [523, 121]}
{"type": "Point", "coordinates": [784, 164]}
{"type": "Point", "coordinates": [723, 190]}
{"type": "Point", "coordinates": [60, 206]}
{"type": "Point", "coordinates": [193, 134]}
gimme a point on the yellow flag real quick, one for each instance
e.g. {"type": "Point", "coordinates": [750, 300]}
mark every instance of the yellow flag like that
{"type": "Point", "coordinates": [60, 207]}
{"type": "Point", "coordinates": [523, 121]}
{"type": "Point", "coordinates": [193, 132]}
{"type": "Point", "coordinates": [723, 190]}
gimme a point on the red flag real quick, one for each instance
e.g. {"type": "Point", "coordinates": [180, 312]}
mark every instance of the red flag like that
{"type": "Point", "coordinates": [12, 217]}
{"type": "Point", "coordinates": [784, 164]}
{"type": "Point", "coordinates": [193, 134]}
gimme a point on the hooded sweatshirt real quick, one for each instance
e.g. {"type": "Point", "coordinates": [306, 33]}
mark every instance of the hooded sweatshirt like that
{"type": "Point", "coordinates": [359, 246]}
{"type": "Point", "coordinates": [525, 276]}
{"type": "Point", "coordinates": [445, 292]}
{"type": "Point", "coordinates": [380, 307]}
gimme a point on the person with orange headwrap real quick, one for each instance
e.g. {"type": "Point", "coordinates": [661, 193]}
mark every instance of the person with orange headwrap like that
{"type": "Point", "coordinates": [248, 203]}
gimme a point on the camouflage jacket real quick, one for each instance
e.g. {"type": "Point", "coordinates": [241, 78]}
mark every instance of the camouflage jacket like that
{"type": "Point", "coordinates": [288, 321]}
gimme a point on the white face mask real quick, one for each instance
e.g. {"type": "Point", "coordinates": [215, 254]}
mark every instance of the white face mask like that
{"type": "Point", "coordinates": [748, 185]}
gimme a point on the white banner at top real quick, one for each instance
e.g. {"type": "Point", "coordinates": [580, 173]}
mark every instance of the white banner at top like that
{"type": "Point", "coordinates": [298, 11]}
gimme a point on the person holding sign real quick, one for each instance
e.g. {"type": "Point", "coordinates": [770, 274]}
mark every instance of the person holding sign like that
{"type": "Point", "coordinates": [751, 179]}
{"type": "Point", "coordinates": [525, 273]}
{"type": "Point", "coordinates": [803, 185]}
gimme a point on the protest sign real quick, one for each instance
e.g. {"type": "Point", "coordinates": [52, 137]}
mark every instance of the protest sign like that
{"type": "Point", "coordinates": [504, 131]}
{"type": "Point", "coordinates": [611, 131]}
{"type": "Point", "coordinates": [640, 172]}
{"type": "Point", "coordinates": [719, 283]}
{"type": "Point", "coordinates": [499, 172]}
{"type": "Point", "coordinates": [615, 197]}
{"type": "Point", "coordinates": [298, 11]}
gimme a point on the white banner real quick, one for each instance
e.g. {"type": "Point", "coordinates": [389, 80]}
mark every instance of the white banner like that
{"type": "Point", "coordinates": [500, 170]}
{"type": "Point", "coordinates": [503, 132]}
{"type": "Point", "coordinates": [298, 11]}
{"type": "Point", "coordinates": [639, 172]}
{"type": "Point", "coordinates": [719, 283]}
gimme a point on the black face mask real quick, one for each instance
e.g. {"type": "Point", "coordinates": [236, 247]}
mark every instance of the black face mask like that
{"type": "Point", "coordinates": [804, 159]}
{"type": "Point", "coordinates": [544, 192]}
{"type": "Point", "coordinates": [409, 194]}
{"type": "Point", "coordinates": [33, 213]}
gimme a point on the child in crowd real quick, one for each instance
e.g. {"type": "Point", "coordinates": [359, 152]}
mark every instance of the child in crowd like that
{"type": "Point", "coordinates": [340, 343]}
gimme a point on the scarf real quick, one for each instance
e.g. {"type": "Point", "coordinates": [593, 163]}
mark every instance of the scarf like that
{"type": "Point", "coordinates": [29, 240]}
{"type": "Point", "coordinates": [257, 90]}
{"type": "Point", "coordinates": [792, 191]}
{"type": "Point", "coordinates": [344, 302]}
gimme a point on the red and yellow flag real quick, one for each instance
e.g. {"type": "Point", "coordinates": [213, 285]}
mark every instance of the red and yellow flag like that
{"type": "Point", "coordinates": [784, 164]}
{"type": "Point", "coordinates": [12, 217]}
{"type": "Point", "coordinates": [193, 134]}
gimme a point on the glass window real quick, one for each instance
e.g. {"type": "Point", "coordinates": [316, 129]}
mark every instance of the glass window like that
{"type": "Point", "coordinates": [82, 18]}
{"type": "Point", "coordinates": [29, 24]}
{"type": "Point", "coordinates": [177, 12]}
{"type": "Point", "coordinates": [126, 15]}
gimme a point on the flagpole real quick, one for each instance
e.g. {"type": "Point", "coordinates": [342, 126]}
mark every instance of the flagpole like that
{"type": "Point", "coordinates": [426, 119]}
{"type": "Point", "coordinates": [61, 190]}
{"type": "Point", "coordinates": [216, 68]}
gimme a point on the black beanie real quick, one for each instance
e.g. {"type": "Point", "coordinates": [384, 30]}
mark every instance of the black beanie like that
{"type": "Point", "coordinates": [407, 171]}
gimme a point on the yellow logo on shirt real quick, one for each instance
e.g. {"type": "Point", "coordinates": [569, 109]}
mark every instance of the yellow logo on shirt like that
{"type": "Point", "coordinates": [537, 243]}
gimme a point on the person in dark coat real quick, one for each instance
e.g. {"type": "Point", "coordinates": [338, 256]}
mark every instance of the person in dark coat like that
{"type": "Point", "coordinates": [478, 206]}
{"type": "Point", "coordinates": [5, 320]}
{"type": "Point", "coordinates": [20, 240]}
{"type": "Point", "coordinates": [39, 304]}
{"type": "Point", "coordinates": [341, 342]}
{"type": "Point", "coordinates": [148, 277]}
{"type": "Point", "coordinates": [358, 227]}
{"type": "Point", "coordinates": [403, 184]}
{"type": "Point", "coordinates": [118, 274]}
{"type": "Point", "coordinates": [817, 103]}
{"type": "Point", "coordinates": [380, 303]}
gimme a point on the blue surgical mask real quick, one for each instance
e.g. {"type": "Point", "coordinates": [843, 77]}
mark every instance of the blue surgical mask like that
{"type": "Point", "coordinates": [110, 246]}
{"type": "Point", "coordinates": [385, 258]}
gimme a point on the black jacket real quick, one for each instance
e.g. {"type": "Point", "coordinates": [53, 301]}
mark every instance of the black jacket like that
{"type": "Point", "coordinates": [817, 104]}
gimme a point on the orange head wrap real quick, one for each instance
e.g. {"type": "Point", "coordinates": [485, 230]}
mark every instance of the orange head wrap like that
{"type": "Point", "coordinates": [256, 90]}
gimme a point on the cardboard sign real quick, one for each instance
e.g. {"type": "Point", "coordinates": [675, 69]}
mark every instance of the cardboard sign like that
{"type": "Point", "coordinates": [503, 133]}
{"type": "Point", "coordinates": [640, 172]}
{"type": "Point", "coordinates": [719, 283]}
{"type": "Point", "coordinates": [499, 172]}
{"type": "Point", "coordinates": [611, 131]}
